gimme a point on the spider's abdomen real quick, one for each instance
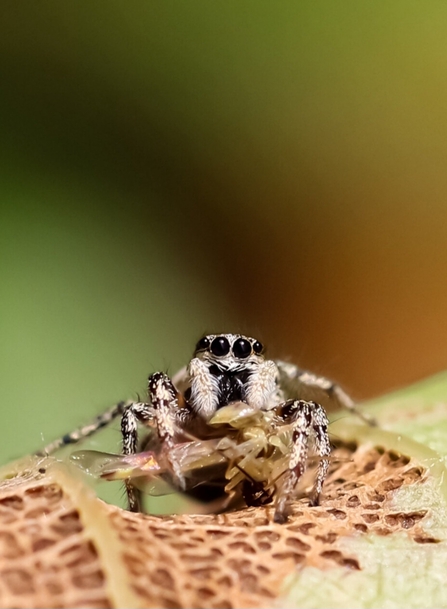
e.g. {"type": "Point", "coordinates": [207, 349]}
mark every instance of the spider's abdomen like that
{"type": "Point", "coordinates": [231, 385]}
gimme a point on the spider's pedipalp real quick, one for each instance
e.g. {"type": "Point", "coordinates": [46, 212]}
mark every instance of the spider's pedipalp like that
{"type": "Point", "coordinates": [204, 396]}
{"type": "Point", "coordinates": [262, 390]}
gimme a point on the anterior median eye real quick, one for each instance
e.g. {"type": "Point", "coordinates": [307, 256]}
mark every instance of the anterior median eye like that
{"type": "Point", "coordinates": [220, 346]}
{"type": "Point", "coordinates": [241, 348]}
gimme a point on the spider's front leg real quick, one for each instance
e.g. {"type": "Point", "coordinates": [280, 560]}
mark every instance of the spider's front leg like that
{"type": "Point", "coordinates": [134, 413]}
{"type": "Point", "coordinates": [308, 420]}
{"type": "Point", "coordinates": [161, 412]}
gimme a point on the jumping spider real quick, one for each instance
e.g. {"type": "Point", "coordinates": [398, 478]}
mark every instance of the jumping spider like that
{"type": "Point", "coordinates": [231, 408]}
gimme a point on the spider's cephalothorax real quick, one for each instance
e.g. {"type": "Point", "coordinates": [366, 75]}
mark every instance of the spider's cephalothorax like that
{"type": "Point", "coordinates": [230, 368]}
{"type": "Point", "coordinates": [281, 415]}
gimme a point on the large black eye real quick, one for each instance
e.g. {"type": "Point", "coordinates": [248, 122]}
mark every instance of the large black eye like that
{"type": "Point", "coordinates": [242, 348]}
{"type": "Point", "coordinates": [220, 346]}
{"type": "Point", "coordinates": [203, 344]}
{"type": "Point", "coordinates": [258, 347]}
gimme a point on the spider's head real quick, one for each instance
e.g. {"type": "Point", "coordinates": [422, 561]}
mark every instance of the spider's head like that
{"type": "Point", "coordinates": [231, 352]}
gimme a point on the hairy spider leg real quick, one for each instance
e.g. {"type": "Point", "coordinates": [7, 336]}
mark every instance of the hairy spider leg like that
{"type": "Point", "coordinates": [307, 418]}
{"type": "Point", "coordinates": [323, 448]}
{"type": "Point", "coordinates": [162, 412]}
{"type": "Point", "coordinates": [134, 413]}
{"type": "Point", "coordinates": [301, 382]}
{"type": "Point", "coordinates": [86, 430]}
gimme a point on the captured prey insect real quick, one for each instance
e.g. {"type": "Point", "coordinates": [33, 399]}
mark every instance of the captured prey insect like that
{"type": "Point", "coordinates": [231, 420]}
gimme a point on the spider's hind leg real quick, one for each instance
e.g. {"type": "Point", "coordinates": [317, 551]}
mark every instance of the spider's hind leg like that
{"type": "Point", "coordinates": [308, 420]}
{"type": "Point", "coordinates": [85, 431]}
{"type": "Point", "coordinates": [310, 386]}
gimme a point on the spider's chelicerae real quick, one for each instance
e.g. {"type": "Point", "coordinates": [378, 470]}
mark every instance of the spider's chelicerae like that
{"type": "Point", "coordinates": [259, 416]}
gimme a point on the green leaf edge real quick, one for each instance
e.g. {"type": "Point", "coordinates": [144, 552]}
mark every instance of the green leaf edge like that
{"type": "Point", "coordinates": [396, 572]}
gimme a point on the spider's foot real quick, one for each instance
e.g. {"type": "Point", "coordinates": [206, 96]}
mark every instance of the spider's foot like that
{"type": "Point", "coordinates": [314, 501]}
{"type": "Point", "coordinates": [280, 517]}
{"type": "Point", "coordinates": [372, 422]}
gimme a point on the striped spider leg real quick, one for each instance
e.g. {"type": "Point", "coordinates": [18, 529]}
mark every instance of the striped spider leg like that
{"type": "Point", "coordinates": [308, 386]}
{"type": "Point", "coordinates": [163, 413]}
{"type": "Point", "coordinates": [308, 422]}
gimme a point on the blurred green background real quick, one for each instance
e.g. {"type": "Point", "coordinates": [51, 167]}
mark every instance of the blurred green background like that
{"type": "Point", "coordinates": [170, 168]}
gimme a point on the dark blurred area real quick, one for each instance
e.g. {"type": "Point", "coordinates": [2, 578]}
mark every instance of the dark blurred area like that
{"type": "Point", "coordinates": [171, 168]}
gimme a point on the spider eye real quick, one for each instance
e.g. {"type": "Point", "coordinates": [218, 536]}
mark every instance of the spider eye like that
{"type": "Point", "coordinates": [242, 348]}
{"type": "Point", "coordinates": [220, 346]}
{"type": "Point", "coordinates": [203, 344]}
{"type": "Point", "coordinates": [258, 347]}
